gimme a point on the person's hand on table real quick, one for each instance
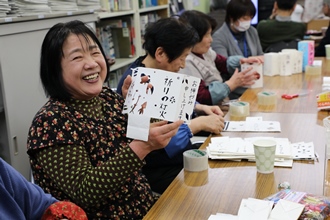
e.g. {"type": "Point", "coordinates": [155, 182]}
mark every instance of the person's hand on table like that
{"type": "Point", "coordinates": [208, 109]}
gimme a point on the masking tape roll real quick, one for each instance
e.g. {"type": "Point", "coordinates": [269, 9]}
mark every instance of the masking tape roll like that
{"type": "Point", "coordinates": [195, 160]}
{"type": "Point", "coordinates": [239, 109]}
{"type": "Point", "coordinates": [267, 98]}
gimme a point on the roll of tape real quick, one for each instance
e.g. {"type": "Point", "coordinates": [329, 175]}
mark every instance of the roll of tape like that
{"type": "Point", "coordinates": [195, 160]}
{"type": "Point", "coordinates": [239, 109]}
{"type": "Point", "coordinates": [267, 98]}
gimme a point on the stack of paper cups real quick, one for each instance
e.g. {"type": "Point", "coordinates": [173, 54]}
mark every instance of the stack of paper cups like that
{"type": "Point", "coordinates": [267, 98]}
{"type": "Point", "coordinates": [238, 111]}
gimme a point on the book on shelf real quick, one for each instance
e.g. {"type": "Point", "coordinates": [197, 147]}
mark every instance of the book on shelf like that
{"type": "Point", "coordinates": [118, 37]}
{"type": "Point", "coordinates": [116, 5]}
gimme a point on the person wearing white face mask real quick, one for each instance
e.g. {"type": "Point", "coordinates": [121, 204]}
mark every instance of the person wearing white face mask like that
{"type": "Point", "coordinates": [237, 36]}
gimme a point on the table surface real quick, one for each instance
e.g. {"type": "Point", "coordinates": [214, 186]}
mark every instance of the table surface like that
{"type": "Point", "coordinates": [222, 187]}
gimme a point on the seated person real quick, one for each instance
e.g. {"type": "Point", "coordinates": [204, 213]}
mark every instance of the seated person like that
{"type": "Point", "coordinates": [236, 36]}
{"type": "Point", "coordinates": [320, 49]}
{"type": "Point", "coordinates": [77, 142]}
{"type": "Point", "coordinates": [218, 12]}
{"type": "Point", "coordinates": [167, 43]}
{"type": "Point", "coordinates": [21, 199]}
{"type": "Point", "coordinates": [281, 28]}
{"type": "Point", "coordinates": [221, 78]}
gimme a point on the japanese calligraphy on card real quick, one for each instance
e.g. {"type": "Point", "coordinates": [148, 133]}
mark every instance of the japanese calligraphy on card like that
{"type": "Point", "coordinates": [166, 95]}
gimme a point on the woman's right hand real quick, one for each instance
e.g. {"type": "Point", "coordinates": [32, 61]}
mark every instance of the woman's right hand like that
{"type": "Point", "coordinates": [160, 134]}
{"type": "Point", "coordinates": [243, 78]}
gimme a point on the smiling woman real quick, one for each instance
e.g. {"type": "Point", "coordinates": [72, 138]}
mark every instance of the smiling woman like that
{"type": "Point", "coordinates": [77, 141]}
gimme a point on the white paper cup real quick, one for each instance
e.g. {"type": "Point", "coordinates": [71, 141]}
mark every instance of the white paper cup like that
{"type": "Point", "coordinates": [327, 51]}
{"type": "Point", "coordinates": [264, 151]}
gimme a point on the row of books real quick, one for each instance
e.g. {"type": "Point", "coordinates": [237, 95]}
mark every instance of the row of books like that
{"type": "Point", "coordinates": [117, 37]}
{"type": "Point", "coordinates": [116, 5]}
{"type": "Point", "coordinates": [125, 5]}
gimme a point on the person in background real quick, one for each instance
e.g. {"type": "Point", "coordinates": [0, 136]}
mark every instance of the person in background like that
{"type": "Point", "coordinates": [281, 28]}
{"type": "Point", "coordinates": [168, 41]}
{"type": "Point", "coordinates": [220, 75]}
{"type": "Point", "coordinates": [77, 141]}
{"type": "Point", "coordinates": [21, 199]}
{"type": "Point", "coordinates": [320, 49]}
{"type": "Point", "coordinates": [236, 36]}
{"type": "Point", "coordinates": [265, 8]}
{"type": "Point", "coordinates": [297, 13]}
{"type": "Point", "coordinates": [218, 12]}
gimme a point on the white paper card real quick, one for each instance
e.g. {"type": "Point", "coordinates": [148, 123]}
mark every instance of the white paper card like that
{"type": "Point", "coordinates": [252, 209]}
{"type": "Point", "coordinates": [171, 97]}
{"type": "Point", "coordinates": [286, 210]}
{"type": "Point", "coordinates": [138, 127]}
{"type": "Point", "coordinates": [258, 67]}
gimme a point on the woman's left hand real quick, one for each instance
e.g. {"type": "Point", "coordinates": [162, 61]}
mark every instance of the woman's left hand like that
{"type": "Point", "coordinates": [254, 59]}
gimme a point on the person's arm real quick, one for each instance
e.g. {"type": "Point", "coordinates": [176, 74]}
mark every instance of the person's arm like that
{"type": "Point", "coordinates": [320, 49]}
{"type": "Point", "coordinates": [179, 142]}
{"type": "Point", "coordinates": [218, 91]}
{"type": "Point", "coordinates": [203, 94]}
{"type": "Point", "coordinates": [70, 167]}
{"type": "Point", "coordinates": [17, 193]}
{"type": "Point", "coordinates": [221, 65]}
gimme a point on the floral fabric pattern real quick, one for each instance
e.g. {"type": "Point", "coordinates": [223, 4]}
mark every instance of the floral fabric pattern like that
{"type": "Point", "coordinates": [79, 152]}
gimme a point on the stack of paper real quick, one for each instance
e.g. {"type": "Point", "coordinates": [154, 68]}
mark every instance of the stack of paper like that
{"type": "Point", "coordinates": [89, 5]}
{"type": "Point", "coordinates": [32, 7]}
{"type": "Point", "coordinates": [4, 8]}
{"type": "Point", "coordinates": [63, 5]}
{"type": "Point", "coordinates": [13, 9]}
{"type": "Point", "coordinates": [238, 148]}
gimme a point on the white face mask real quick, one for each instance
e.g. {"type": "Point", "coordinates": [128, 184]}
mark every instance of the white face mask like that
{"type": "Point", "coordinates": [243, 25]}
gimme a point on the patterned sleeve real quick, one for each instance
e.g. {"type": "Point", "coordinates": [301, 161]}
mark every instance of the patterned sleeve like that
{"type": "Point", "coordinates": [64, 210]}
{"type": "Point", "coordinates": [70, 168]}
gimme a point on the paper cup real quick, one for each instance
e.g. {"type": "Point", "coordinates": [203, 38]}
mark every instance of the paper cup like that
{"type": "Point", "coordinates": [264, 151]}
{"type": "Point", "coordinates": [327, 51]}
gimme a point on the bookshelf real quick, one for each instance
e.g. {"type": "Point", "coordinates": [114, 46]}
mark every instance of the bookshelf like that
{"type": "Point", "coordinates": [139, 13]}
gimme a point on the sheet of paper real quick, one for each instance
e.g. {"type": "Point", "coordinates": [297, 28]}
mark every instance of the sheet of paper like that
{"type": "Point", "coordinates": [253, 126]}
{"type": "Point", "coordinates": [286, 210]}
{"type": "Point", "coordinates": [252, 209]}
{"type": "Point", "coordinates": [138, 127]}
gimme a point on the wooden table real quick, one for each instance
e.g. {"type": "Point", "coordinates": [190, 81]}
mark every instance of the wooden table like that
{"type": "Point", "coordinates": [222, 187]}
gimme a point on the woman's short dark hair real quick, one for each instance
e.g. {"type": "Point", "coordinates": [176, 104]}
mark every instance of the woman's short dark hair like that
{"type": "Point", "coordinates": [239, 8]}
{"type": "Point", "coordinates": [171, 34]}
{"type": "Point", "coordinates": [286, 4]}
{"type": "Point", "coordinates": [200, 21]}
{"type": "Point", "coordinates": [52, 54]}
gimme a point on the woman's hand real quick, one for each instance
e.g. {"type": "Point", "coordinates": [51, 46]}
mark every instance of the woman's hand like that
{"type": "Point", "coordinates": [243, 78]}
{"type": "Point", "coordinates": [160, 134]}
{"type": "Point", "coordinates": [208, 109]}
{"type": "Point", "coordinates": [211, 123]}
{"type": "Point", "coordinates": [252, 59]}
